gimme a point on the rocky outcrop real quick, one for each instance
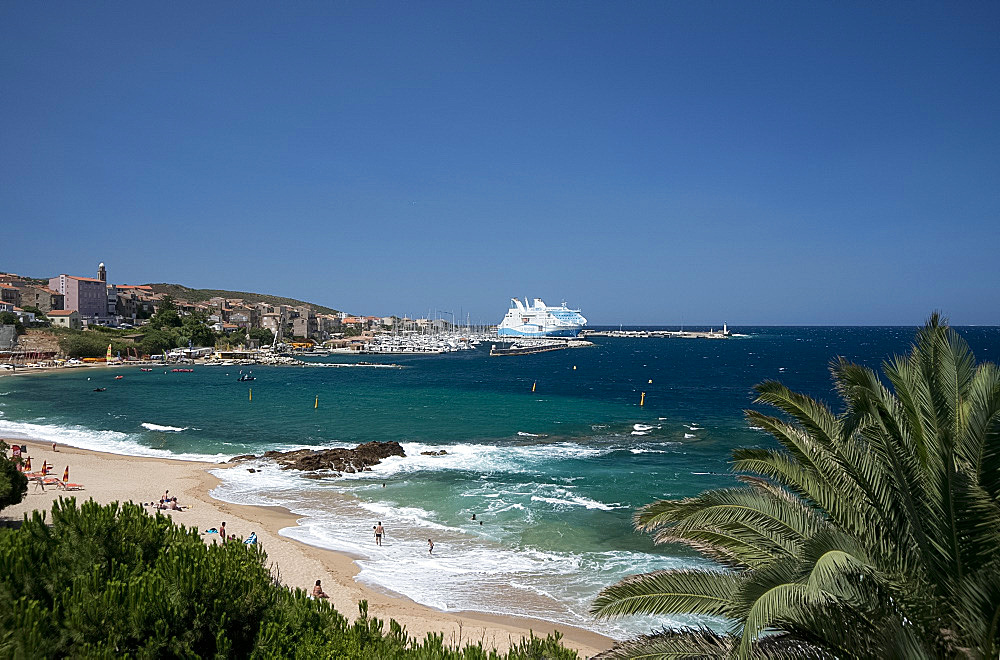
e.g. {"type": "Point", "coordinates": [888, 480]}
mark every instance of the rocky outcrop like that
{"type": "Point", "coordinates": [434, 453]}
{"type": "Point", "coordinates": [360, 458]}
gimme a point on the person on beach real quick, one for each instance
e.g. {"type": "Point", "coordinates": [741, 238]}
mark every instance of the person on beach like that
{"type": "Point", "coordinates": [379, 531]}
{"type": "Point", "coordinates": [430, 549]}
{"type": "Point", "coordinates": [318, 591]}
{"type": "Point", "coordinates": [222, 532]}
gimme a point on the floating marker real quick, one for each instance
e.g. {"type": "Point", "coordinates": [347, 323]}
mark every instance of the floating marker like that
{"type": "Point", "coordinates": [251, 394]}
{"type": "Point", "coordinates": [316, 405]}
{"type": "Point", "coordinates": [533, 386]}
{"type": "Point", "coordinates": [650, 381]}
{"type": "Point", "coordinates": [574, 367]}
{"type": "Point", "coordinates": [642, 399]}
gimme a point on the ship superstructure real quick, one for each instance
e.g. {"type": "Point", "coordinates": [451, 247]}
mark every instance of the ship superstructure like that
{"type": "Point", "coordinates": [539, 320]}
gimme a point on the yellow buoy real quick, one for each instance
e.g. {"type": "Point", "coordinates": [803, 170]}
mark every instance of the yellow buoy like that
{"type": "Point", "coordinates": [650, 381]}
{"type": "Point", "coordinates": [574, 367]}
{"type": "Point", "coordinates": [533, 386]}
{"type": "Point", "coordinates": [251, 394]}
{"type": "Point", "coordinates": [642, 399]}
{"type": "Point", "coordinates": [316, 405]}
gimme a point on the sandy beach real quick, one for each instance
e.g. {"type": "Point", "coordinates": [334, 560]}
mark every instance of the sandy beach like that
{"type": "Point", "coordinates": [109, 478]}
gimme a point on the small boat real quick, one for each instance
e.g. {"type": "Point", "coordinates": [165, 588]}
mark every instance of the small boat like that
{"type": "Point", "coordinates": [246, 377]}
{"type": "Point", "coordinates": [182, 371]}
{"type": "Point", "coordinates": [144, 369]}
{"type": "Point", "coordinates": [119, 377]}
{"type": "Point", "coordinates": [100, 389]}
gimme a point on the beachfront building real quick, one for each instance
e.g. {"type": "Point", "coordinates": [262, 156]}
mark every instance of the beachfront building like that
{"type": "Point", "coordinates": [65, 318]}
{"type": "Point", "coordinates": [87, 295]}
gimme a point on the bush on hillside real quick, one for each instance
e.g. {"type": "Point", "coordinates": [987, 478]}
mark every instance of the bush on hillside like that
{"type": "Point", "coordinates": [88, 343]}
{"type": "Point", "coordinates": [114, 581]}
{"type": "Point", "coordinates": [13, 484]}
{"type": "Point", "coordinates": [10, 318]}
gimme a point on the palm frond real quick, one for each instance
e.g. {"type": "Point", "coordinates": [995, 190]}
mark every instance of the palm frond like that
{"type": "Point", "coordinates": [684, 644]}
{"type": "Point", "coordinates": [708, 593]}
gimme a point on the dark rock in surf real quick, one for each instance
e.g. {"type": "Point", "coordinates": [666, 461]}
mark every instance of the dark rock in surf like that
{"type": "Point", "coordinates": [338, 460]}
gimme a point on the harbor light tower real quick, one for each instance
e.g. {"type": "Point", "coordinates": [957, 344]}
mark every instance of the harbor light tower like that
{"type": "Point", "coordinates": [102, 274]}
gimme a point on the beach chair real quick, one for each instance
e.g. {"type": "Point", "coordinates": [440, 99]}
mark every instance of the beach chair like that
{"type": "Point", "coordinates": [68, 486]}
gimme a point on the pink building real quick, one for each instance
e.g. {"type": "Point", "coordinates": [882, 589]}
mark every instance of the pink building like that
{"type": "Point", "coordinates": [88, 296]}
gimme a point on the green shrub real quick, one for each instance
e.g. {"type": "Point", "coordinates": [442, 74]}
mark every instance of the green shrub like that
{"type": "Point", "coordinates": [13, 484]}
{"type": "Point", "coordinates": [113, 581]}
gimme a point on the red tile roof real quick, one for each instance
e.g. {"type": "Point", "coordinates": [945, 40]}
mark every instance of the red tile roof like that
{"type": "Point", "coordinates": [61, 312]}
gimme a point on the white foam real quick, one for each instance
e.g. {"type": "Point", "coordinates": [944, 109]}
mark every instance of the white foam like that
{"type": "Point", "coordinates": [590, 504]}
{"type": "Point", "coordinates": [112, 442]}
{"type": "Point", "coordinates": [639, 433]}
{"type": "Point", "coordinates": [688, 436]}
{"type": "Point", "coordinates": [158, 427]}
{"type": "Point", "coordinates": [525, 434]}
{"type": "Point", "coordinates": [473, 567]}
{"type": "Point", "coordinates": [642, 427]}
{"type": "Point", "coordinates": [481, 458]}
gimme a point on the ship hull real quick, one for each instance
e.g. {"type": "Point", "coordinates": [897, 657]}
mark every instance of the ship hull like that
{"type": "Point", "coordinates": [516, 332]}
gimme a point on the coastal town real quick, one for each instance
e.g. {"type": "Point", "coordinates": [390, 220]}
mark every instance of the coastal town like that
{"type": "Point", "coordinates": [46, 312]}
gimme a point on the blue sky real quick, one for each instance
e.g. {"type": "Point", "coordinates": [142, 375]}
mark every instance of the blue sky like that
{"type": "Point", "coordinates": [649, 162]}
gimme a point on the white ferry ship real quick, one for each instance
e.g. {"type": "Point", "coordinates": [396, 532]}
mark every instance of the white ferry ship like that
{"type": "Point", "coordinates": [540, 320]}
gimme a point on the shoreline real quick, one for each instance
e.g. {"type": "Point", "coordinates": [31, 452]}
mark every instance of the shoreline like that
{"type": "Point", "coordinates": [116, 477]}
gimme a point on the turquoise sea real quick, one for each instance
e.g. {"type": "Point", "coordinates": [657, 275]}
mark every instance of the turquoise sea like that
{"type": "Point", "coordinates": [554, 475]}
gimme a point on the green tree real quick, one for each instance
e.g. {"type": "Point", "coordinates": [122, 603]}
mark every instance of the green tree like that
{"type": "Point", "coordinates": [263, 335]}
{"type": "Point", "coordinates": [193, 328]}
{"type": "Point", "coordinates": [10, 318]}
{"type": "Point", "coordinates": [13, 483]}
{"type": "Point", "coordinates": [157, 340]}
{"type": "Point", "coordinates": [166, 318]}
{"type": "Point", "coordinates": [870, 533]}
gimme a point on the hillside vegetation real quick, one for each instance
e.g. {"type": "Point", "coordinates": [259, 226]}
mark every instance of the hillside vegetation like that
{"type": "Point", "coordinates": [180, 292]}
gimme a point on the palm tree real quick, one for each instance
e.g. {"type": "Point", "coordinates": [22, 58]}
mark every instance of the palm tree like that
{"type": "Point", "coordinates": [870, 533]}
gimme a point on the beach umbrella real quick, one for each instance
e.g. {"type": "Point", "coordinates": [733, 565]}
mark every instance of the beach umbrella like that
{"type": "Point", "coordinates": [27, 464]}
{"type": "Point", "coordinates": [66, 474]}
{"type": "Point", "coordinates": [45, 469]}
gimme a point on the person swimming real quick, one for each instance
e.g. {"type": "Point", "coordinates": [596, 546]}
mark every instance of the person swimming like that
{"type": "Point", "coordinates": [379, 531]}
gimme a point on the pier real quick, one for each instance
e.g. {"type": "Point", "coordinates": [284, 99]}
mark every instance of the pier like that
{"type": "Point", "coordinates": [725, 333]}
{"type": "Point", "coordinates": [530, 347]}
